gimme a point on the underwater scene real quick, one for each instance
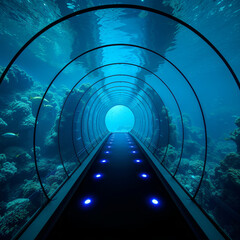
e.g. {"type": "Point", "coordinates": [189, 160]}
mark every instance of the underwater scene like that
{"type": "Point", "coordinates": [73, 71]}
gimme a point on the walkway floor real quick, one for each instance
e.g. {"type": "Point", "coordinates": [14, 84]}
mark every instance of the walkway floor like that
{"type": "Point", "coordinates": [121, 196]}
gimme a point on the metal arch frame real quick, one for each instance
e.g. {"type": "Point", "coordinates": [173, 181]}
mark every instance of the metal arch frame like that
{"type": "Point", "coordinates": [82, 96]}
{"type": "Point", "coordinates": [154, 104]}
{"type": "Point", "coordinates": [125, 94]}
{"type": "Point", "coordinates": [116, 6]}
{"type": "Point", "coordinates": [136, 104]}
{"type": "Point", "coordinates": [97, 97]}
{"type": "Point", "coordinates": [125, 75]}
{"type": "Point", "coordinates": [135, 65]}
{"type": "Point", "coordinates": [129, 95]}
{"type": "Point", "coordinates": [122, 95]}
{"type": "Point", "coordinates": [106, 95]}
{"type": "Point", "coordinates": [120, 99]}
{"type": "Point", "coordinates": [125, 6]}
{"type": "Point", "coordinates": [35, 126]}
{"type": "Point", "coordinates": [198, 101]}
{"type": "Point", "coordinates": [140, 120]}
{"type": "Point", "coordinates": [97, 128]}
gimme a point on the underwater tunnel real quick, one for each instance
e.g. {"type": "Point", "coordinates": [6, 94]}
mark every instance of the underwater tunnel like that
{"type": "Point", "coordinates": [119, 119]}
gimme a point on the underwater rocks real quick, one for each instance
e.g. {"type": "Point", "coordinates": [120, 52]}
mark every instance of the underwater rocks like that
{"type": "Point", "coordinates": [235, 135]}
{"type": "Point", "coordinates": [16, 78]}
{"type": "Point", "coordinates": [7, 169]}
{"type": "Point", "coordinates": [29, 188]}
{"type": "Point", "coordinates": [191, 148]}
{"type": "Point", "coordinates": [16, 212]}
{"type": "Point", "coordinates": [237, 121]}
{"type": "Point", "coordinates": [227, 184]}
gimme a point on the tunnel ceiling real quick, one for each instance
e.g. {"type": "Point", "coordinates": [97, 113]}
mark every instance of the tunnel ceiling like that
{"type": "Point", "coordinates": [165, 71]}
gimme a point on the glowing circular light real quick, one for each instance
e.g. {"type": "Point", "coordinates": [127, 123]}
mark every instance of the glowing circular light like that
{"type": "Point", "coordinates": [98, 175]}
{"type": "Point", "coordinates": [103, 161]}
{"type": "Point", "coordinates": [154, 201]}
{"type": "Point", "coordinates": [131, 146]}
{"type": "Point", "coordinates": [144, 175]}
{"type": "Point", "coordinates": [137, 161]}
{"type": "Point", "coordinates": [108, 146]}
{"type": "Point", "coordinates": [107, 152]}
{"type": "Point", "coordinates": [134, 151]}
{"type": "Point", "coordinates": [87, 201]}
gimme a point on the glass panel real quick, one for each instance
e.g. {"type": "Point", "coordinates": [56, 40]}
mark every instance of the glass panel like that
{"type": "Point", "coordinates": [215, 89]}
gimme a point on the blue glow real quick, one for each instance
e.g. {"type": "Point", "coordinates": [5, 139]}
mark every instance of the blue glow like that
{"type": "Point", "coordinates": [119, 119]}
{"type": "Point", "coordinates": [108, 146]}
{"type": "Point", "coordinates": [103, 161]}
{"type": "Point", "coordinates": [137, 161]}
{"type": "Point", "coordinates": [131, 146]}
{"type": "Point", "coordinates": [107, 152]}
{"type": "Point", "coordinates": [144, 175]}
{"type": "Point", "coordinates": [155, 201]}
{"type": "Point", "coordinates": [87, 201]}
{"type": "Point", "coordinates": [134, 151]}
{"type": "Point", "coordinates": [98, 175]}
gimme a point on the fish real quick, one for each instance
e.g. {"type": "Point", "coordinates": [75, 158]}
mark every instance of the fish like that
{"type": "Point", "coordinates": [10, 135]}
{"type": "Point", "coordinates": [47, 105]}
{"type": "Point", "coordinates": [38, 98]}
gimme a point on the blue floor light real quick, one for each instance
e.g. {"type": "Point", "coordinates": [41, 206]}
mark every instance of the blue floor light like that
{"type": "Point", "coordinates": [137, 161]}
{"type": "Point", "coordinates": [155, 202]}
{"type": "Point", "coordinates": [87, 202]}
{"type": "Point", "coordinates": [98, 176]}
{"type": "Point", "coordinates": [144, 175]}
{"type": "Point", "coordinates": [103, 161]}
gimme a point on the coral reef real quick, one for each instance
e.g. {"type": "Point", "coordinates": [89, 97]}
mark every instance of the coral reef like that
{"type": "Point", "coordinates": [16, 212]}
{"type": "Point", "coordinates": [7, 169]}
{"type": "Point", "coordinates": [20, 190]}
{"type": "Point", "coordinates": [16, 79]}
{"type": "Point", "coordinates": [235, 135]}
{"type": "Point", "coordinates": [227, 180]}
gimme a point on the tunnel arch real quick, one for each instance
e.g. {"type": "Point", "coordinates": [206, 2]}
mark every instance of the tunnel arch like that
{"type": "Point", "coordinates": [193, 196]}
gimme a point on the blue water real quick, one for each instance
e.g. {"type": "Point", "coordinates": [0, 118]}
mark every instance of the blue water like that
{"type": "Point", "coordinates": [177, 96]}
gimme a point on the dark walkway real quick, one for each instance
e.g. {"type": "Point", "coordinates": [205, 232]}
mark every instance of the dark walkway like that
{"type": "Point", "coordinates": [121, 196]}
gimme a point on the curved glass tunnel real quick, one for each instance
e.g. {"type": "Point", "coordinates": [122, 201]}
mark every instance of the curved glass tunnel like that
{"type": "Point", "coordinates": [59, 87]}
